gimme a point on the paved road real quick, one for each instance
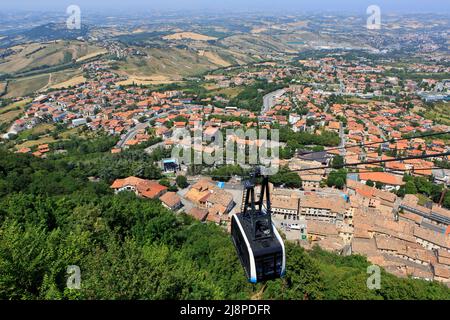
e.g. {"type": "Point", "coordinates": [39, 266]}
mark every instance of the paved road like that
{"type": "Point", "coordinates": [131, 134]}
{"type": "Point", "coordinates": [343, 151]}
{"type": "Point", "coordinates": [150, 149]}
{"type": "Point", "coordinates": [269, 100]}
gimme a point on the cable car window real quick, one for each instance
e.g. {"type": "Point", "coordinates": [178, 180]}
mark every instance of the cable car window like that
{"type": "Point", "coordinates": [262, 229]}
{"type": "Point", "coordinates": [259, 269]}
{"type": "Point", "coordinates": [278, 263]}
{"type": "Point", "coordinates": [269, 266]}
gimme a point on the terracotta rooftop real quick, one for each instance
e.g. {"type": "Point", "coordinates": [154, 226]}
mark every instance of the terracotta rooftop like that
{"type": "Point", "coordinates": [285, 203]}
{"type": "Point", "coordinates": [388, 243]}
{"type": "Point", "coordinates": [441, 271]}
{"type": "Point", "coordinates": [428, 235]}
{"type": "Point", "coordinates": [170, 199]}
{"type": "Point", "coordinates": [383, 177]}
{"type": "Point", "coordinates": [221, 197]}
{"type": "Point", "coordinates": [321, 228]}
{"type": "Point", "coordinates": [364, 246]}
{"type": "Point", "coordinates": [334, 204]}
{"type": "Point", "coordinates": [199, 214]}
{"type": "Point", "coordinates": [146, 188]}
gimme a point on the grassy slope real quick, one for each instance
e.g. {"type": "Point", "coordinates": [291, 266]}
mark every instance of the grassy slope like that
{"type": "Point", "coordinates": [171, 63]}
{"type": "Point", "coordinates": [12, 111]}
{"type": "Point", "coordinates": [440, 112]}
{"type": "Point", "coordinates": [29, 85]}
{"type": "Point", "coordinates": [25, 86]}
{"type": "Point", "coordinates": [36, 55]}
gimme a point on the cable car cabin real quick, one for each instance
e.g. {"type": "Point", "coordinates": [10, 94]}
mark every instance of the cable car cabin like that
{"type": "Point", "coordinates": [262, 259]}
{"type": "Point", "coordinates": [258, 244]}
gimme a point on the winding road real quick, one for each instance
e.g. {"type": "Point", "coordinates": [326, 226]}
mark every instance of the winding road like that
{"type": "Point", "coordinates": [269, 100]}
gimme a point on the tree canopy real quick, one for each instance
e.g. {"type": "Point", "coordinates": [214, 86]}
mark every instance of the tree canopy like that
{"type": "Point", "coordinates": [52, 216]}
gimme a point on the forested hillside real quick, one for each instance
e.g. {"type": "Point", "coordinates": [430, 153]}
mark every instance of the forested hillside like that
{"type": "Point", "coordinates": [52, 216]}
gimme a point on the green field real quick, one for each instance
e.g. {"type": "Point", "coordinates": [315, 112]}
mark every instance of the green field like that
{"type": "Point", "coordinates": [12, 111]}
{"type": "Point", "coordinates": [229, 93]}
{"type": "Point", "coordinates": [439, 112]}
{"type": "Point", "coordinates": [172, 63]}
{"type": "Point", "coordinates": [42, 55]}
{"type": "Point", "coordinates": [37, 131]}
{"type": "Point", "coordinates": [26, 86]}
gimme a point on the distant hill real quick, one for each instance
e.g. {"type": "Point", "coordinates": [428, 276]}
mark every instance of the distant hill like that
{"type": "Point", "coordinates": [40, 55]}
{"type": "Point", "coordinates": [46, 32]}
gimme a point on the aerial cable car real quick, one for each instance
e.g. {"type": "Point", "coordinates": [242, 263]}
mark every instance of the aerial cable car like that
{"type": "Point", "coordinates": [258, 244]}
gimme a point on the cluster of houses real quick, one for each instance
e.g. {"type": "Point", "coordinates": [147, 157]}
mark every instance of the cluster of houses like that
{"type": "Point", "coordinates": [399, 234]}
{"type": "Point", "coordinates": [370, 130]}
{"type": "Point", "coordinates": [215, 202]}
{"type": "Point", "coordinates": [269, 71]}
{"type": "Point", "coordinates": [208, 202]}
{"type": "Point", "coordinates": [148, 189]}
{"type": "Point", "coordinates": [41, 151]}
{"type": "Point", "coordinates": [405, 238]}
{"type": "Point", "coordinates": [414, 242]}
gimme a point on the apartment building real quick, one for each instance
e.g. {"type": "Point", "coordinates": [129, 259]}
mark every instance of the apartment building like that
{"type": "Point", "coordinates": [287, 206]}
{"type": "Point", "coordinates": [330, 209]}
{"type": "Point", "coordinates": [435, 218]}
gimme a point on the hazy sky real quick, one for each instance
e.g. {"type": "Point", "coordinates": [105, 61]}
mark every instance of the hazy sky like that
{"type": "Point", "coordinates": [232, 5]}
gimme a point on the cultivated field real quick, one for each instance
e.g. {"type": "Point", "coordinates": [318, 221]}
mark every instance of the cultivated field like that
{"type": "Point", "coordinates": [57, 80]}
{"type": "Point", "coordinates": [214, 58]}
{"type": "Point", "coordinates": [2, 87]}
{"type": "Point", "coordinates": [12, 111]}
{"type": "Point", "coordinates": [32, 143]}
{"type": "Point", "coordinates": [69, 83]}
{"type": "Point", "coordinates": [41, 55]}
{"type": "Point", "coordinates": [152, 80]}
{"type": "Point", "coordinates": [25, 86]}
{"type": "Point", "coordinates": [92, 55]}
{"type": "Point", "coordinates": [173, 63]}
{"type": "Point", "coordinates": [229, 93]}
{"type": "Point", "coordinates": [188, 35]}
{"type": "Point", "coordinates": [440, 112]}
{"type": "Point", "coordinates": [40, 129]}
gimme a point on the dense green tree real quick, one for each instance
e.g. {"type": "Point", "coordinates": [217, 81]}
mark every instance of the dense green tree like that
{"type": "Point", "coordinates": [225, 173]}
{"type": "Point", "coordinates": [295, 139]}
{"type": "Point", "coordinates": [337, 178]}
{"type": "Point", "coordinates": [339, 183]}
{"type": "Point", "coordinates": [379, 185]}
{"type": "Point", "coordinates": [410, 188]}
{"type": "Point", "coordinates": [285, 177]}
{"type": "Point", "coordinates": [337, 162]}
{"type": "Point", "coordinates": [182, 182]}
{"type": "Point", "coordinates": [52, 216]}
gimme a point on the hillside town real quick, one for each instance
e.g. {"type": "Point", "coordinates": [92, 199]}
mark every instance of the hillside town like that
{"type": "Point", "coordinates": [406, 233]}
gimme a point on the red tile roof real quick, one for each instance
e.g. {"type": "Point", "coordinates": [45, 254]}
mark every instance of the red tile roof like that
{"type": "Point", "coordinates": [382, 177]}
{"type": "Point", "coordinates": [171, 199]}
